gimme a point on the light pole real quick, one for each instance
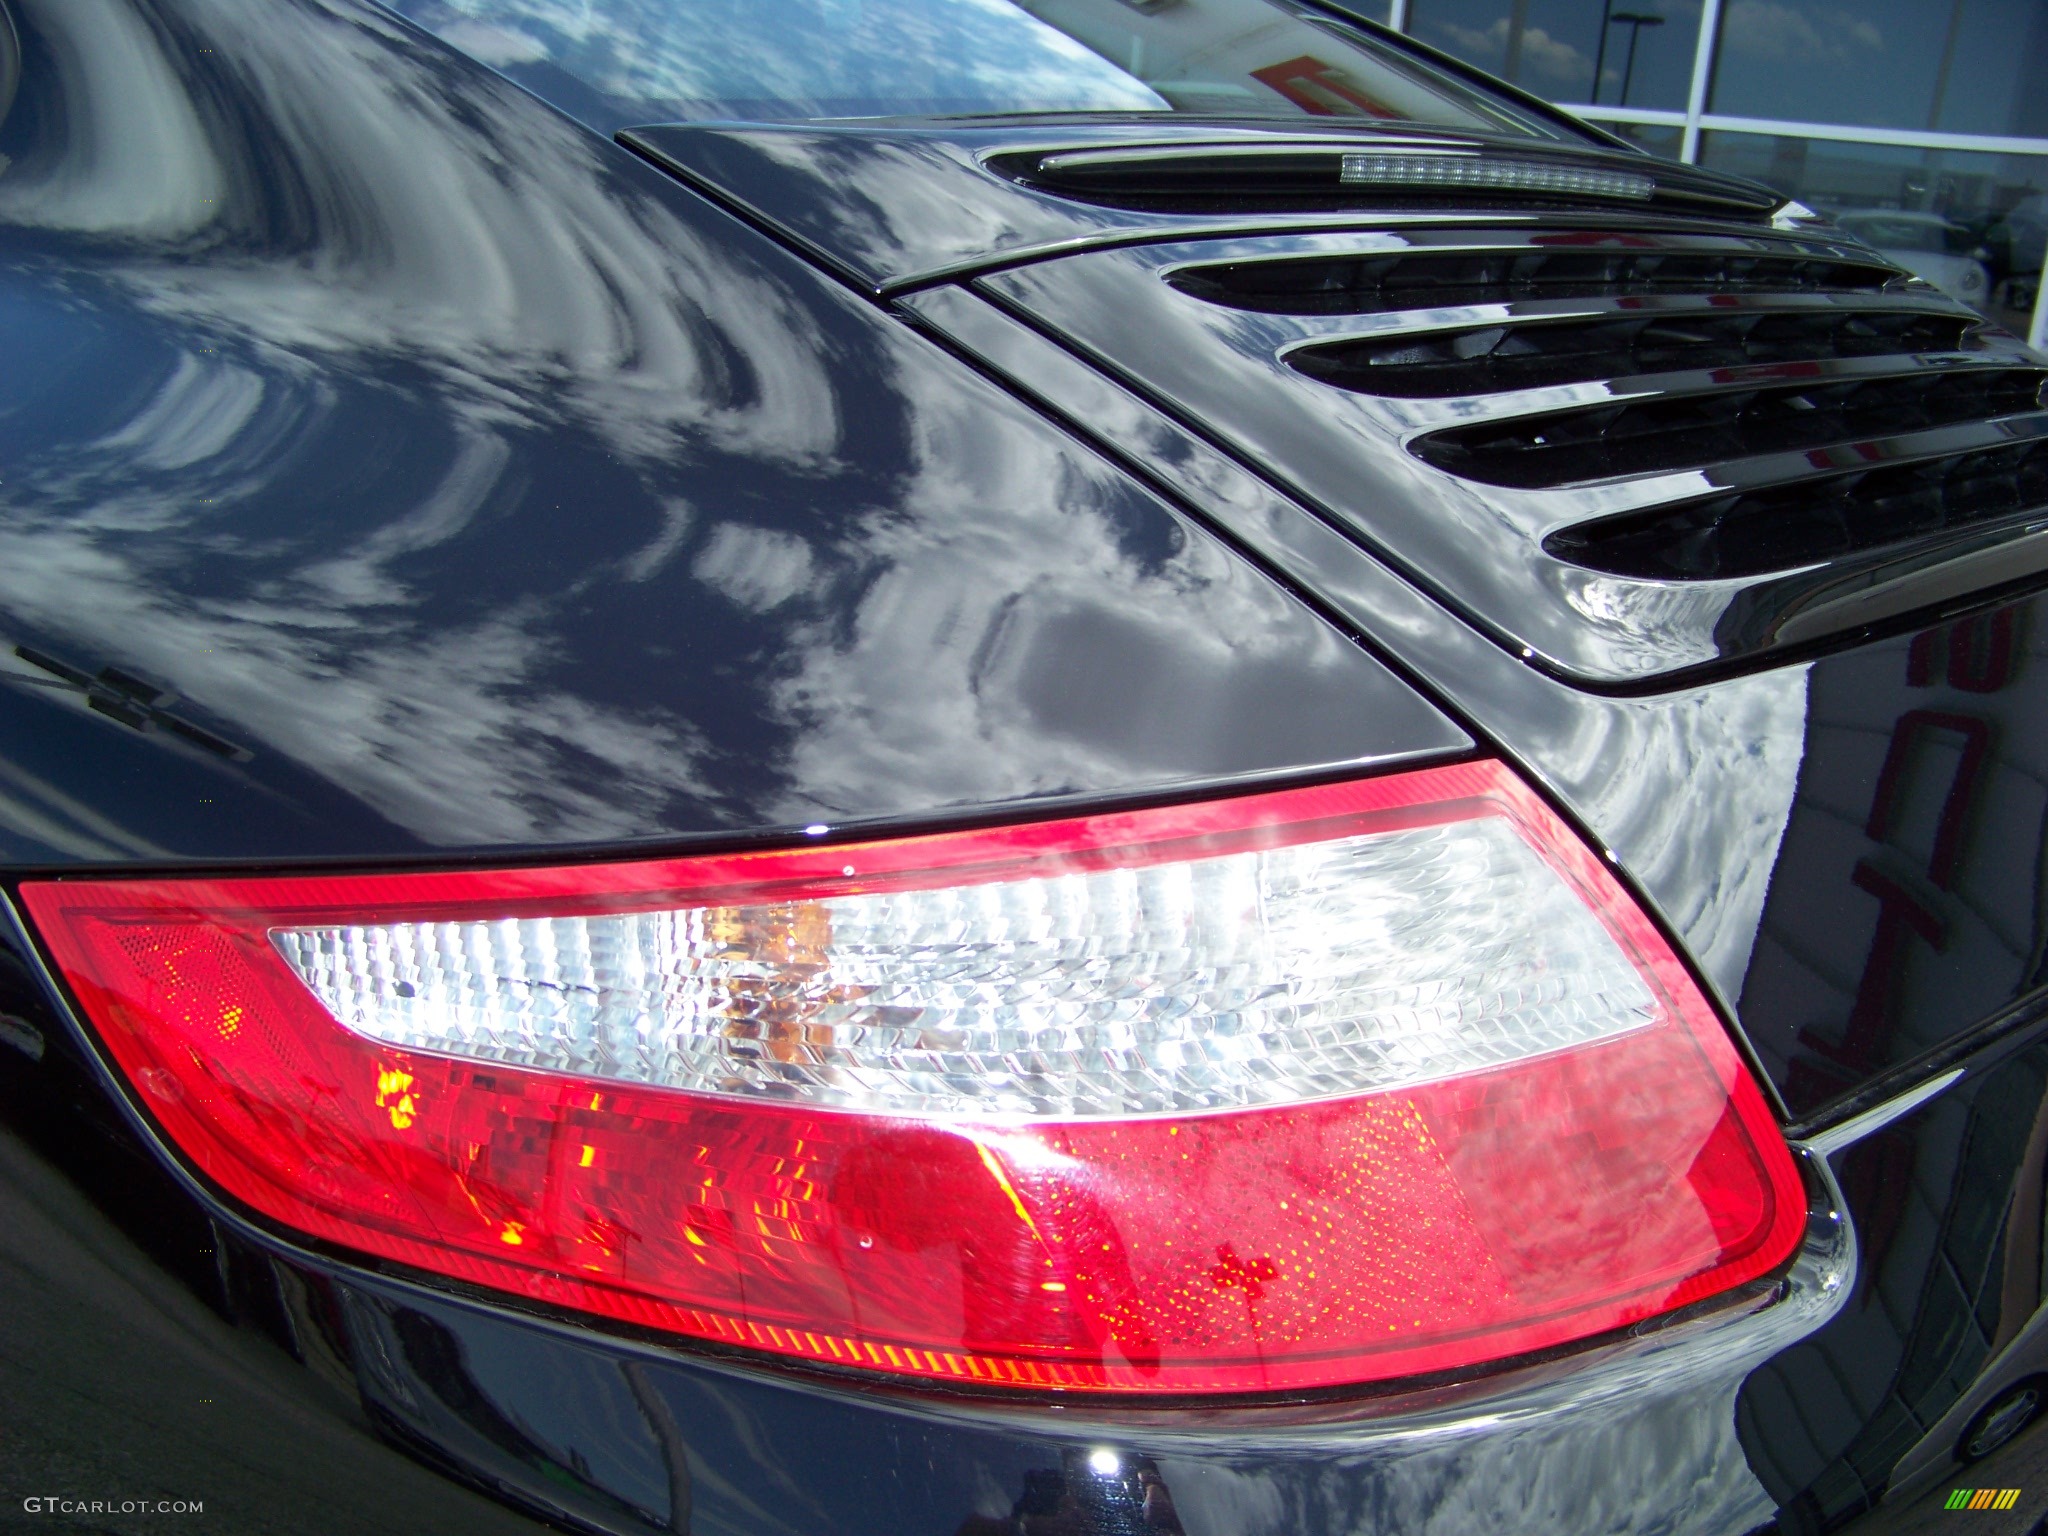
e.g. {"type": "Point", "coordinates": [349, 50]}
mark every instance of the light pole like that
{"type": "Point", "coordinates": [1636, 20]}
{"type": "Point", "coordinates": [1600, 51]}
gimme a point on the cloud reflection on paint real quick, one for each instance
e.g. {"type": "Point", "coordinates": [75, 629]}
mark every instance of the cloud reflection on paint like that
{"type": "Point", "coordinates": [420, 438]}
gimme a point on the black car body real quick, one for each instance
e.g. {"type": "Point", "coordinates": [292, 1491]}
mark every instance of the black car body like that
{"type": "Point", "coordinates": [401, 473]}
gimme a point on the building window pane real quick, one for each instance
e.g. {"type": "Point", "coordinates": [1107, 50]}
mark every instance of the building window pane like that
{"type": "Point", "coordinates": [1956, 66]}
{"type": "Point", "coordinates": [1973, 224]}
{"type": "Point", "coordinates": [1657, 138]}
{"type": "Point", "coordinates": [1552, 47]}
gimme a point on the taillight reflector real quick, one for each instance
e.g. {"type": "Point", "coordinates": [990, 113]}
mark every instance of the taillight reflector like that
{"type": "Point", "coordinates": [1292, 1090]}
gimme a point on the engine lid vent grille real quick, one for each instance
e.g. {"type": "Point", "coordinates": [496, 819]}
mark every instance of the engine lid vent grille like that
{"type": "Point", "coordinates": [1835, 409]}
{"type": "Point", "coordinates": [1628, 446]}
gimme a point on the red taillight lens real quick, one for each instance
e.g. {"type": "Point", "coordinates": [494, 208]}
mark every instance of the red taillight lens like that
{"type": "Point", "coordinates": [1293, 1090]}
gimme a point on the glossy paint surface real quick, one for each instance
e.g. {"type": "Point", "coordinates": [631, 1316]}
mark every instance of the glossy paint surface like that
{"type": "Point", "coordinates": [432, 474]}
{"type": "Point", "coordinates": [1947, 1205]}
{"type": "Point", "coordinates": [409, 472]}
{"type": "Point", "coordinates": [652, 601]}
{"type": "Point", "coordinates": [1911, 894]}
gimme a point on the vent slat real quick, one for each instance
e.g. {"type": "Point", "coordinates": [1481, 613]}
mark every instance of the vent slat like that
{"type": "Point", "coordinates": [1429, 279]}
{"type": "Point", "coordinates": [1534, 354]}
{"type": "Point", "coordinates": [1661, 434]}
{"type": "Point", "coordinates": [1777, 528]}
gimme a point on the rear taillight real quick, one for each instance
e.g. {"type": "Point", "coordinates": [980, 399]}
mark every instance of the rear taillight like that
{"type": "Point", "coordinates": [1286, 1091]}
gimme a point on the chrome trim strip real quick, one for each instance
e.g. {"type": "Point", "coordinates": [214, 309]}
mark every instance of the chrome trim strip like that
{"type": "Point", "coordinates": [1327, 330]}
{"type": "Point", "coordinates": [1252, 237]}
{"type": "Point", "coordinates": [1852, 1130]}
{"type": "Point", "coordinates": [1476, 232]}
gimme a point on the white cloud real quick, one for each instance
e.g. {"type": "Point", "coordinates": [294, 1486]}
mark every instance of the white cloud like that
{"type": "Point", "coordinates": [158, 184]}
{"type": "Point", "coordinates": [988, 51]}
{"type": "Point", "coordinates": [1543, 57]}
{"type": "Point", "coordinates": [196, 413]}
{"type": "Point", "coordinates": [499, 47]}
{"type": "Point", "coordinates": [1548, 58]}
{"type": "Point", "coordinates": [1474, 41]}
{"type": "Point", "coordinates": [1768, 29]}
{"type": "Point", "coordinates": [756, 568]}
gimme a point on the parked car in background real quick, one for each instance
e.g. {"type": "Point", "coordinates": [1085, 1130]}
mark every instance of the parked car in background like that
{"type": "Point", "coordinates": [1944, 252]}
{"type": "Point", "coordinates": [1067, 768]}
{"type": "Point", "coordinates": [2017, 239]}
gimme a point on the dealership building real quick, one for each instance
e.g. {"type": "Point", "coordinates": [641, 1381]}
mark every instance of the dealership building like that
{"type": "Point", "coordinates": [1921, 125]}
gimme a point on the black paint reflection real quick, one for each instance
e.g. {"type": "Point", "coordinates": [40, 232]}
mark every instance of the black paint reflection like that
{"type": "Point", "coordinates": [1910, 900]}
{"type": "Point", "coordinates": [491, 490]}
{"type": "Point", "coordinates": [1090, 1493]}
{"type": "Point", "coordinates": [1947, 1204]}
{"type": "Point", "coordinates": [605, 1472]}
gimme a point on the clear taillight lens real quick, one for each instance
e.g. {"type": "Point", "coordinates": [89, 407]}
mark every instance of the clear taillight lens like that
{"type": "Point", "coordinates": [1291, 1090]}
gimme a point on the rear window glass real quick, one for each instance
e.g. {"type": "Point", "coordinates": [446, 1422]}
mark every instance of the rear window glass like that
{"type": "Point", "coordinates": [618, 63]}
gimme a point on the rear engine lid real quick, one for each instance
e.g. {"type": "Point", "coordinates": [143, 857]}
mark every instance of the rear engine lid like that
{"type": "Point", "coordinates": [1633, 420]}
